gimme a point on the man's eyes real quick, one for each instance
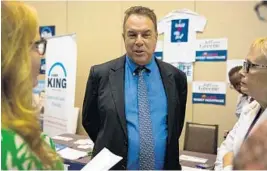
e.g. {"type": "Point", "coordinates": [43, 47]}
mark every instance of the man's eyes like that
{"type": "Point", "coordinates": [146, 35]}
{"type": "Point", "coordinates": [132, 35]}
{"type": "Point", "coordinates": [135, 35]}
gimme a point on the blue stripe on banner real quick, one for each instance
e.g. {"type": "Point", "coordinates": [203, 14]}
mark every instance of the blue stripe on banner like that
{"type": "Point", "coordinates": [205, 98]}
{"type": "Point", "coordinates": [211, 55]}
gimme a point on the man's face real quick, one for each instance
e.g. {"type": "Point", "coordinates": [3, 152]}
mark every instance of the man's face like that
{"type": "Point", "coordinates": [254, 82]}
{"type": "Point", "coordinates": [140, 38]}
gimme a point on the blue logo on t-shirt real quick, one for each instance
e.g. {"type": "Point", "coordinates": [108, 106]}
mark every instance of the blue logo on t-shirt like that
{"type": "Point", "coordinates": [158, 55]}
{"type": "Point", "coordinates": [179, 30]}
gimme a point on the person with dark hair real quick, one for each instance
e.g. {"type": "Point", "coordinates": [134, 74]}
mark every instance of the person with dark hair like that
{"type": "Point", "coordinates": [235, 78]}
{"type": "Point", "coordinates": [135, 105]}
{"type": "Point", "coordinates": [235, 81]}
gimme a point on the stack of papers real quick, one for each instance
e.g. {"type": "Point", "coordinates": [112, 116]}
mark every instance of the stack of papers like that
{"type": "Point", "coordinates": [193, 159]}
{"type": "Point", "coordinates": [85, 146]}
{"type": "Point", "coordinates": [103, 161]}
{"type": "Point", "coordinates": [85, 143]}
{"type": "Point", "coordinates": [62, 138]}
{"type": "Point", "coordinates": [71, 154]}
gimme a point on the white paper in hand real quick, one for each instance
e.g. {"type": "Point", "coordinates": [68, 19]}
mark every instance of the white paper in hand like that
{"type": "Point", "coordinates": [103, 161]}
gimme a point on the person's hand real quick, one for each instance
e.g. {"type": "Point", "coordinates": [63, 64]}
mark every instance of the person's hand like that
{"type": "Point", "coordinates": [228, 159]}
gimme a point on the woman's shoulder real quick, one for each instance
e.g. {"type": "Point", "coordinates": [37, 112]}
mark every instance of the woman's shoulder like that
{"type": "Point", "coordinates": [8, 135]}
{"type": "Point", "coordinates": [16, 153]}
{"type": "Point", "coordinates": [48, 140]}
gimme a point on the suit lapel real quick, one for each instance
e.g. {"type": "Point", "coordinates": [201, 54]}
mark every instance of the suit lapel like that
{"type": "Point", "coordinates": [169, 86]}
{"type": "Point", "coordinates": [116, 80]}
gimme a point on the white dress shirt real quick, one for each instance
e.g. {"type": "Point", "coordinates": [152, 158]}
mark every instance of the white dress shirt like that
{"type": "Point", "coordinates": [243, 100]}
{"type": "Point", "coordinates": [236, 136]}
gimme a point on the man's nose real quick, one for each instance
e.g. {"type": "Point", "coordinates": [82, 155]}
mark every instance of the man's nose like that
{"type": "Point", "coordinates": [139, 40]}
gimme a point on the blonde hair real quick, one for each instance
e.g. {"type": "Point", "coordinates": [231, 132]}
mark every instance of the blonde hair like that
{"type": "Point", "coordinates": [19, 29]}
{"type": "Point", "coordinates": [261, 43]}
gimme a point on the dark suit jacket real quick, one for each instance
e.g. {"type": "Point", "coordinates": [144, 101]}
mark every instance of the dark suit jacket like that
{"type": "Point", "coordinates": [104, 115]}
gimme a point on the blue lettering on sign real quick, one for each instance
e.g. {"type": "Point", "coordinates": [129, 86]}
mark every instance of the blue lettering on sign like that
{"type": "Point", "coordinates": [208, 98]}
{"type": "Point", "coordinates": [55, 81]}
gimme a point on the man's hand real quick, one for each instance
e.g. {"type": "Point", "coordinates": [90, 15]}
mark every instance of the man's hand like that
{"type": "Point", "coordinates": [228, 159]}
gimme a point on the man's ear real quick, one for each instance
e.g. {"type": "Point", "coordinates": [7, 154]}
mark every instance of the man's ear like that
{"type": "Point", "coordinates": [123, 36]}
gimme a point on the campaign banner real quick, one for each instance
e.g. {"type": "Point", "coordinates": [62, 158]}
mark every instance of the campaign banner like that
{"type": "Point", "coordinates": [209, 92]}
{"type": "Point", "coordinates": [211, 50]}
{"type": "Point", "coordinates": [61, 60]}
{"type": "Point", "coordinates": [187, 68]}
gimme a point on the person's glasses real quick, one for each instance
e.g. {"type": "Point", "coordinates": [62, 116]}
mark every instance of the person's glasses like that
{"type": "Point", "coordinates": [40, 46]}
{"type": "Point", "coordinates": [248, 64]}
{"type": "Point", "coordinates": [261, 10]}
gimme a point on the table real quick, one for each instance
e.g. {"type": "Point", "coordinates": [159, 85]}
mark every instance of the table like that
{"type": "Point", "coordinates": [80, 163]}
{"type": "Point", "coordinates": [211, 158]}
{"type": "Point", "coordinates": [74, 164]}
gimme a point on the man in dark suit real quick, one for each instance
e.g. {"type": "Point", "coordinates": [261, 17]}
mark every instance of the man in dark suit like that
{"type": "Point", "coordinates": [135, 105]}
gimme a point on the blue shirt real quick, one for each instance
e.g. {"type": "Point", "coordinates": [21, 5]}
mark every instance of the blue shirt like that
{"type": "Point", "coordinates": [158, 110]}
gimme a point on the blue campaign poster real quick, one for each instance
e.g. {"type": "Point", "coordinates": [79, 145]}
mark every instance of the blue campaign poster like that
{"type": "Point", "coordinates": [47, 31]}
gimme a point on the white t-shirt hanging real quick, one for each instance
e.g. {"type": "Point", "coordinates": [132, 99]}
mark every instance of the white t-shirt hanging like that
{"type": "Point", "coordinates": [179, 28]}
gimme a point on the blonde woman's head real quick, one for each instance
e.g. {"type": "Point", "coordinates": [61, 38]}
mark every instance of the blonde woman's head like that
{"type": "Point", "coordinates": [254, 73]}
{"type": "Point", "coordinates": [19, 33]}
{"type": "Point", "coordinates": [20, 63]}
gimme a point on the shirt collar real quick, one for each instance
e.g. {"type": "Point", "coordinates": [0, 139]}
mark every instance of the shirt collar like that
{"type": "Point", "coordinates": [132, 65]}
